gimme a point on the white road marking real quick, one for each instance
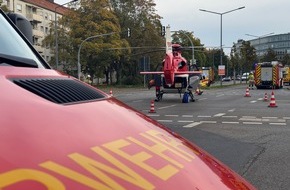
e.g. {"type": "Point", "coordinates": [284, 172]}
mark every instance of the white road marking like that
{"type": "Point", "coordinates": [192, 125]}
{"type": "Point", "coordinates": [166, 107]}
{"type": "Point", "coordinates": [277, 123]}
{"type": "Point", "coordinates": [229, 116]}
{"type": "Point", "coordinates": [208, 122]}
{"type": "Point", "coordinates": [167, 121]}
{"type": "Point", "coordinates": [254, 101]}
{"type": "Point", "coordinates": [269, 117]}
{"type": "Point", "coordinates": [219, 114]}
{"type": "Point", "coordinates": [171, 115]}
{"type": "Point", "coordinates": [184, 121]}
{"type": "Point", "coordinates": [253, 123]}
{"type": "Point", "coordinates": [187, 115]}
{"type": "Point", "coordinates": [230, 122]}
{"type": "Point", "coordinates": [281, 120]}
{"type": "Point", "coordinates": [250, 119]}
{"type": "Point", "coordinates": [232, 110]}
{"type": "Point", "coordinates": [286, 117]}
{"type": "Point", "coordinates": [202, 99]}
{"type": "Point", "coordinates": [153, 115]}
{"type": "Point", "coordinates": [219, 95]}
{"type": "Point", "coordinates": [204, 116]}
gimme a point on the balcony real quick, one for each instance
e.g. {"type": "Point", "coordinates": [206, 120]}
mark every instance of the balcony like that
{"type": "Point", "coordinates": [37, 33]}
{"type": "Point", "coordinates": [38, 48]}
{"type": "Point", "coordinates": [34, 17]}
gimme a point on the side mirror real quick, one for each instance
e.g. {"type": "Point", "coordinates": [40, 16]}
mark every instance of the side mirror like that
{"type": "Point", "coordinates": [22, 24]}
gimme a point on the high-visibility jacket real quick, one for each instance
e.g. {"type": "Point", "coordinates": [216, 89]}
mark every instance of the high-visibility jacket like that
{"type": "Point", "coordinates": [251, 77]}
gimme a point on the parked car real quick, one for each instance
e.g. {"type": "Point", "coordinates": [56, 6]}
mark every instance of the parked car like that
{"type": "Point", "coordinates": [245, 76]}
{"type": "Point", "coordinates": [238, 77]}
{"type": "Point", "coordinates": [226, 79]}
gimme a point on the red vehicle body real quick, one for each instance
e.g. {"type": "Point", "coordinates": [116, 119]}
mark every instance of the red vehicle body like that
{"type": "Point", "coordinates": [59, 133]}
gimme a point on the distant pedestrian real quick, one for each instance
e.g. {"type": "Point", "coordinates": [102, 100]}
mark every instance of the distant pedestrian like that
{"type": "Point", "coordinates": [251, 81]}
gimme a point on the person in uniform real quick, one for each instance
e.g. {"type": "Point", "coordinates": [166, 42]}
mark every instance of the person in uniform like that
{"type": "Point", "coordinates": [251, 81]}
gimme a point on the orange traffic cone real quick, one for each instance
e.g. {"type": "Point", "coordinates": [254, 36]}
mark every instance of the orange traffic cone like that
{"type": "Point", "coordinates": [272, 102]}
{"type": "Point", "coordinates": [266, 97]}
{"type": "Point", "coordinates": [152, 110]}
{"type": "Point", "coordinates": [111, 92]}
{"type": "Point", "coordinates": [247, 92]}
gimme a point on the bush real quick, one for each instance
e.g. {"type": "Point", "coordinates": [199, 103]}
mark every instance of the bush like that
{"type": "Point", "coordinates": [131, 80]}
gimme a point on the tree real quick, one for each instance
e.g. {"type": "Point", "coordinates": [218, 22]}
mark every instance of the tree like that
{"type": "Point", "coordinates": [4, 7]}
{"type": "Point", "coordinates": [269, 56]}
{"type": "Point", "coordinates": [92, 18]}
{"type": "Point", "coordinates": [145, 38]}
{"type": "Point", "coordinates": [235, 60]}
{"type": "Point", "coordinates": [184, 38]}
{"type": "Point", "coordinates": [248, 56]}
{"type": "Point", "coordinates": [286, 60]}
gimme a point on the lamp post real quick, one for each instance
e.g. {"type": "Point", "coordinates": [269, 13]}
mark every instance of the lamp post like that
{"type": "Point", "coordinates": [259, 38]}
{"type": "Point", "coordinates": [221, 34]}
{"type": "Point", "coordinates": [79, 51]}
{"type": "Point", "coordinates": [55, 28]}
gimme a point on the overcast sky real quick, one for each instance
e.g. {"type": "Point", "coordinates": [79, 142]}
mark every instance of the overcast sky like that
{"type": "Point", "coordinates": [258, 18]}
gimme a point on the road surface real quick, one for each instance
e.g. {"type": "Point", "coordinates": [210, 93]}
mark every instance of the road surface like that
{"type": "Point", "coordinates": [242, 132]}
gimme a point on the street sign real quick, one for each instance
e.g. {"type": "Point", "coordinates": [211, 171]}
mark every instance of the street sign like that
{"type": "Point", "coordinates": [221, 70]}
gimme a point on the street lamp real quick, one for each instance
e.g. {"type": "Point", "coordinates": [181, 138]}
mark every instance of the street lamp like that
{"type": "Point", "coordinates": [55, 28]}
{"type": "Point", "coordinates": [259, 38]}
{"type": "Point", "coordinates": [79, 51]}
{"type": "Point", "coordinates": [221, 37]}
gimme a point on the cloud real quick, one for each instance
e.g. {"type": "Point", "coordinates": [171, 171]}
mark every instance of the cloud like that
{"type": "Point", "coordinates": [259, 17]}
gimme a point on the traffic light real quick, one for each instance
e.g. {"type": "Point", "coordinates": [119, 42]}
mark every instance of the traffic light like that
{"type": "Point", "coordinates": [162, 30]}
{"type": "Point", "coordinates": [129, 32]}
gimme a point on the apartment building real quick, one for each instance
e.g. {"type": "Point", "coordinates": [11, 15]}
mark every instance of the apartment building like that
{"type": "Point", "coordinates": [42, 14]}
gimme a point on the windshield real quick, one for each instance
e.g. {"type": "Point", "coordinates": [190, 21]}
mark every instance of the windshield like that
{"type": "Point", "coordinates": [11, 44]}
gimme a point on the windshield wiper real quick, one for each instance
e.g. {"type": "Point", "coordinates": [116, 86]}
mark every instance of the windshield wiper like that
{"type": "Point", "coordinates": [6, 60]}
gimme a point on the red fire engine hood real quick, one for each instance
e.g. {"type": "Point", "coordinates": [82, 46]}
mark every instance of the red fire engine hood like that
{"type": "Point", "coordinates": [58, 133]}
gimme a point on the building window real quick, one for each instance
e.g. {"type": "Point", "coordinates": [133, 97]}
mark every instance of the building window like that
{"type": "Point", "coordinates": [46, 16]}
{"type": "Point", "coordinates": [35, 41]}
{"type": "Point", "coordinates": [19, 8]}
{"type": "Point", "coordinates": [41, 14]}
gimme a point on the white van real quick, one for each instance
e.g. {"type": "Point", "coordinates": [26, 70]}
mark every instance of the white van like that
{"type": "Point", "coordinates": [245, 76]}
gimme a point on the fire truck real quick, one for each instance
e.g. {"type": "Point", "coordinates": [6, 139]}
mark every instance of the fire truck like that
{"type": "Point", "coordinates": [286, 76]}
{"type": "Point", "coordinates": [269, 75]}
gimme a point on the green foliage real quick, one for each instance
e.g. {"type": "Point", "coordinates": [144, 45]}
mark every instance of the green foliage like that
{"type": "Point", "coordinates": [269, 56]}
{"type": "Point", "coordinates": [96, 27]}
{"type": "Point", "coordinates": [110, 50]}
{"type": "Point", "coordinates": [286, 60]}
{"type": "Point", "coordinates": [186, 39]}
{"type": "Point", "coordinates": [4, 7]}
{"type": "Point", "coordinates": [248, 56]}
{"type": "Point", "coordinates": [141, 18]}
{"type": "Point", "coordinates": [242, 58]}
{"type": "Point", "coordinates": [235, 61]}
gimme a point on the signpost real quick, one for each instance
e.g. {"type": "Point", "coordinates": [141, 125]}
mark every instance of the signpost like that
{"type": "Point", "coordinates": [221, 70]}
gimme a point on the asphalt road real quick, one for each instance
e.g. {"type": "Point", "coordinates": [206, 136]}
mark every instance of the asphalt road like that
{"type": "Point", "coordinates": [242, 132]}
